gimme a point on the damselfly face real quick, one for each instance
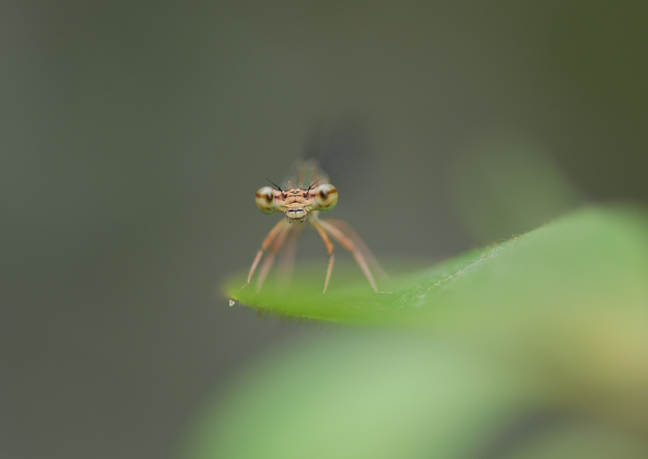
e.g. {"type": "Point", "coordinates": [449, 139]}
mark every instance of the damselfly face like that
{"type": "Point", "coordinates": [296, 203]}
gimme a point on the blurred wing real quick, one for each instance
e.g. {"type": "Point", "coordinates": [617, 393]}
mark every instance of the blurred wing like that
{"type": "Point", "coordinates": [305, 173]}
{"type": "Point", "coordinates": [344, 151]}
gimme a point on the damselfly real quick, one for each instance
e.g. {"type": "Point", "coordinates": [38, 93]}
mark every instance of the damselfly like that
{"type": "Point", "coordinates": [301, 203]}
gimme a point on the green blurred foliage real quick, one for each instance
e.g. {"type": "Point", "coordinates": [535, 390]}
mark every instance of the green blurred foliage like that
{"type": "Point", "coordinates": [366, 396]}
{"type": "Point", "coordinates": [554, 322]}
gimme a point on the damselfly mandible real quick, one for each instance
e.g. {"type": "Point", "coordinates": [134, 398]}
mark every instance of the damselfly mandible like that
{"type": "Point", "coordinates": [305, 194]}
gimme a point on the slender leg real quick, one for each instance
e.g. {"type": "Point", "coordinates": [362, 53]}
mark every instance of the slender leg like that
{"type": "Point", "coordinates": [348, 244]}
{"type": "Point", "coordinates": [287, 257]}
{"type": "Point", "coordinates": [270, 257]}
{"type": "Point", "coordinates": [329, 270]}
{"type": "Point", "coordinates": [329, 248]}
{"type": "Point", "coordinates": [264, 246]}
{"type": "Point", "coordinates": [362, 248]}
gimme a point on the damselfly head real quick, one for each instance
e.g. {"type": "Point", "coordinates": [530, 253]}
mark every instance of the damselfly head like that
{"type": "Point", "coordinates": [296, 203]}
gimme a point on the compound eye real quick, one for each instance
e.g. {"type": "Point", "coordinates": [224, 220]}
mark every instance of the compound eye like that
{"type": "Point", "coordinates": [265, 200]}
{"type": "Point", "coordinates": [326, 197]}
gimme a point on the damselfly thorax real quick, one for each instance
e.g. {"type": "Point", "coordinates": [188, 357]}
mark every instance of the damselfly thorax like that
{"type": "Point", "coordinates": [305, 194]}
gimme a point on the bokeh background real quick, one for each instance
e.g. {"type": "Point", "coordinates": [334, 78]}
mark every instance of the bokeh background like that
{"type": "Point", "coordinates": [133, 136]}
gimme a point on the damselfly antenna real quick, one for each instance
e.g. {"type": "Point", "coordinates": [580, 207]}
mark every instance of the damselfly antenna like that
{"type": "Point", "coordinates": [275, 185]}
{"type": "Point", "coordinates": [313, 184]}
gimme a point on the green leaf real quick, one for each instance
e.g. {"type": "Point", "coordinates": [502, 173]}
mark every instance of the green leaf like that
{"type": "Point", "coordinates": [590, 259]}
{"type": "Point", "coordinates": [552, 321]}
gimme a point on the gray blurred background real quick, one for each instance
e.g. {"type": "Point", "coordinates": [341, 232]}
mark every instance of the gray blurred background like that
{"type": "Point", "coordinates": [133, 136]}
